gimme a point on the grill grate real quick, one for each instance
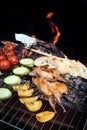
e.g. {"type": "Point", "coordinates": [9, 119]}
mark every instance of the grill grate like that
{"type": "Point", "coordinates": [13, 113]}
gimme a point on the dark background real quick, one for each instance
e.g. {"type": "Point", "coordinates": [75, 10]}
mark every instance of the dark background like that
{"type": "Point", "coordinates": [29, 16]}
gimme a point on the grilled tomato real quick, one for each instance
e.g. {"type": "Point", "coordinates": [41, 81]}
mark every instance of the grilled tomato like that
{"type": "Point", "coordinates": [9, 53]}
{"type": "Point", "coordinates": [2, 56]}
{"type": "Point", "coordinates": [13, 59]}
{"type": "Point", "coordinates": [4, 64]}
{"type": "Point", "coordinates": [1, 51]}
{"type": "Point", "coordinates": [9, 46]}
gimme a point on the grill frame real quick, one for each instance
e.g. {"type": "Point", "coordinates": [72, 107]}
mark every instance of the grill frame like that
{"type": "Point", "coordinates": [14, 114]}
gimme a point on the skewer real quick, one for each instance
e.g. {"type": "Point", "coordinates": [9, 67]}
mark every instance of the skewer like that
{"type": "Point", "coordinates": [45, 54]}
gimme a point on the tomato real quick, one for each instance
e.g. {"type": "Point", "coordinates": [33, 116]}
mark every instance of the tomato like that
{"type": "Point", "coordinates": [9, 52]}
{"type": "Point", "coordinates": [1, 50]}
{"type": "Point", "coordinates": [4, 65]}
{"type": "Point", "coordinates": [2, 56]}
{"type": "Point", "coordinates": [13, 60]}
{"type": "Point", "coordinates": [9, 46]}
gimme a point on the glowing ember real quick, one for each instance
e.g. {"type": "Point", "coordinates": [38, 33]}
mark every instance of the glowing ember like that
{"type": "Point", "coordinates": [54, 28]}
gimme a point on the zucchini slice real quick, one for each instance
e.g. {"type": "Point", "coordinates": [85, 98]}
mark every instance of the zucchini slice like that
{"type": "Point", "coordinates": [28, 62]}
{"type": "Point", "coordinates": [21, 71]}
{"type": "Point", "coordinates": [12, 80]}
{"type": "Point", "coordinates": [5, 93]}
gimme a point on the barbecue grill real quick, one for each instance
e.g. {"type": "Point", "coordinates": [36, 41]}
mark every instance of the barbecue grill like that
{"type": "Point", "coordinates": [14, 114]}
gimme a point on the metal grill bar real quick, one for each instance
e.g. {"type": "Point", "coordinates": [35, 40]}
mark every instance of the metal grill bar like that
{"type": "Point", "coordinates": [63, 120]}
{"type": "Point", "coordinates": [55, 120]}
{"type": "Point", "coordinates": [13, 117]}
{"type": "Point", "coordinates": [27, 121]}
{"type": "Point", "coordinates": [79, 121]}
{"type": "Point", "coordinates": [36, 121]}
{"type": "Point", "coordinates": [20, 119]}
{"type": "Point", "coordinates": [72, 119]}
{"type": "Point", "coordinates": [10, 125]}
{"type": "Point", "coordinates": [7, 103]}
{"type": "Point", "coordinates": [9, 110]}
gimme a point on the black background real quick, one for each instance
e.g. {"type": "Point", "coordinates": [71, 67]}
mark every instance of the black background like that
{"type": "Point", "coordinates": [29, 16]}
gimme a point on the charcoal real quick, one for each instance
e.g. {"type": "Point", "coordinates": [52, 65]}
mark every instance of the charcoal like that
{"type": "Point", "coordinates": [77, 96]}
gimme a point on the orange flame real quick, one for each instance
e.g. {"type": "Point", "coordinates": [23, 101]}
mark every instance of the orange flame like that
{"type": "Point", "coordinates": [54, 28]}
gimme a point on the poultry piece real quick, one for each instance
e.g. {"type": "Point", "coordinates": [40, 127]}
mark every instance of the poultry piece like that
{"type": "Point", "coordinates": [41, 72]}
{"type": "Point", "coordinates": [52, 73]}
{"type": "Point", "coordinates": [45, 71]}
{"type": "Point", "coordinates": [53, 90]}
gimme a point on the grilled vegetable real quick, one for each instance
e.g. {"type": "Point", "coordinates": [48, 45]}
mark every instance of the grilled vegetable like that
{"type": "Point", "coordinates": [9, 53]}
{"type": "Point", "coordinates": [9, 45]}
{"type": "Point", "coordinates": [23, 87]}
{"type": "Point", "coordinates": [5, 93]}
{"type": "Point", "coordinates": [25, 93]}
{"type": "Point", "coordinates": [33, 106]}
{"type": "Point", "coordinates": [45, 116]}
{"type": "Point", "coordinates": [1, 51]}
{"type": "Point", "coordinates": [28, 62]}
{"type": "Point", "coordinates": [4, 65]}
{"type": "Point", "coordinates": [29, 99]}
{"type": "Point", "coordinates": [12, 80]}
{"type": "Point", "coordinates": [2, 56]}
{"type": "Point", "coordinates": [21, 71]}
{"type": "Point", "coordinates": [13, 59]}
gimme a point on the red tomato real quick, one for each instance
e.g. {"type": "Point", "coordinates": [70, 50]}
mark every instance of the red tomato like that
{"type": "Point", "coordinates": [4, 65]}
{"type": "Point", "coordinates": [13, 60]}
{"type": "Point", "coordinates": [9, 52]}
{"type": "Point", "coordinates": [2, 56]}
{"type": "Point", "coordinates": [9, 46]}
{"type": "Point", "coordinates": [1, 50]}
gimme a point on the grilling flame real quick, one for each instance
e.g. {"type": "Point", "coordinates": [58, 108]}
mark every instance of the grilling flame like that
{"type": "Point", "coordinates": [54, 28]}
